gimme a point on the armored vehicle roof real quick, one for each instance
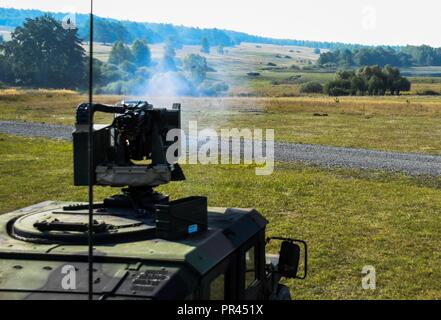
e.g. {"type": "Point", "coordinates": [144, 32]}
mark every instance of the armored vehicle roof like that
{"type": "Point", "coordinates": [30, 252]}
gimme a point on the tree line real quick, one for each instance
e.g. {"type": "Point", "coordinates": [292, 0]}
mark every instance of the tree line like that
{"type": "Point", "coordinates": [112, 30]}
{"type": "Point", "coordinates": [130, 66]}
{"type": "Point", "coordinates": [109, 30]}
{"type": "Point", "coordinates": [404, 57]}
{"type": "Point", "coordinates": [43, 54]}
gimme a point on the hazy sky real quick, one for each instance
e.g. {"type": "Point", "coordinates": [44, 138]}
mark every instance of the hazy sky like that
{"type": "Point", "coordinates": [357, 21]}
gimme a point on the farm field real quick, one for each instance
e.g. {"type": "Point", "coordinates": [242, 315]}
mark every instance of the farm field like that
{"type": "Point", "coordinates": [406, 123]}
{"type": "Point", "coordinates": [349, 218]}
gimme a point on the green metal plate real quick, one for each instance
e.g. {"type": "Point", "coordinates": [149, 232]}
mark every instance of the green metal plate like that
{"type": "Point", "coordinates": [62, 227]}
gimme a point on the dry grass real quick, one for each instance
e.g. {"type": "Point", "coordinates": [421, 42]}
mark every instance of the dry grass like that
{"type": "Point", "coordinates": [406, 123]}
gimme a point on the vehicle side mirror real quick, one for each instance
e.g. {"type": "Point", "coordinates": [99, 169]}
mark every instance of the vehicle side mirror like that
{"type": "Point", "coordinates": [289, 259]}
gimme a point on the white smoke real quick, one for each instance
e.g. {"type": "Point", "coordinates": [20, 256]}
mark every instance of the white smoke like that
{"type": "Point", "coordinates": [168, 84]}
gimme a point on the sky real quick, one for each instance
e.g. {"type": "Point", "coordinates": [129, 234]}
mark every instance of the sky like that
{"type": "Point", "coordinates": [374, 22]}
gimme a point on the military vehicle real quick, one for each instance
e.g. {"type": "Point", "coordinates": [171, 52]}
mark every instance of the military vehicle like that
{"type": "Point", "coordinates": [146, 246]}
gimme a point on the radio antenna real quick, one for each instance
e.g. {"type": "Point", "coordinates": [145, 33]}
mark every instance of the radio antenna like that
{"type": "Point", "coordinates": [90, 157]}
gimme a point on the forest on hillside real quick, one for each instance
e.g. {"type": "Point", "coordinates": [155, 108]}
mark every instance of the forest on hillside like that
{"type": "Point", "coordinates": [407, 56]}
{"type": "Point", "coordinates": [111, 30]}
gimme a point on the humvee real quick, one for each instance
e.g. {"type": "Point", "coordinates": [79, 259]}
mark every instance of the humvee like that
{"type": "Point", "coordinates": [145, 246]}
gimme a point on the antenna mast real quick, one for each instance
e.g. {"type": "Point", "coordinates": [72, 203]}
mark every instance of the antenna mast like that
{"type": "Point", "coordinates": [90, 157]}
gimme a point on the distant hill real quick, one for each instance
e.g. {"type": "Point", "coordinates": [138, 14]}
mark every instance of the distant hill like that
{"type": "Point", "coordinates": [110, 30]}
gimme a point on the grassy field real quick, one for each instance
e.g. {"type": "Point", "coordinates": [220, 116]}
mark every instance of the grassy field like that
{"type": "Point", "coordinates": [406, 123]}
{"type": "Point", "coordinates": [233, 66]}
{"type": "Point", "coordinates": [349, 218]}
{"type": "Point", "coordinates": [281, 69]}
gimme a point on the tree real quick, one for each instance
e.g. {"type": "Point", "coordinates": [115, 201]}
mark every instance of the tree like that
{"type": "Point", "coordinates": [6, 74]}
{"type": "Point", "coordinates": [373, 80]}
{"type": "Point", "coordinates": [423, 55]}
{"type": "Point", "coordinates": [1, 39]}
{"type": "Point", "coordinates": [403, 84]}
{"type": "Point", "coordinates": [358, 86]}
{"type": "Point", "coordinates": [220, 50]}
{"type": "Point", "coordinates": [317, 51]}
{"type": "Point", "coordinates": [392, 78]}
{"type": "Point", "coordinates": [311, 87]}
{"type": "Point", "coordinates": [345, 74]}
{"type": "Point", "coordinates": [338, 87]}
{"type": "Point", "coordinates": [120, 53]}
{"type": "Point", "coordinates": [128, 67]}
{"type": "Point", "coordinates": [205, 46]}
{"type": "Point", "coordinates": [381, 56]}
{"type": "Point", "coordinates": [169, 49]}
{"type": "Point", "coordinates": [197, 66]}
{"type": "Point", "coordinates": [168, 62]}
{"type": "Point", "coordinates": [97, 71]}
{"type": "Point", "coordinates": [42, 53]}
{"type": "Point", "coordinates": [141, 53]}
{"type": "Point", "coordinates": [107, 73]}
{"type": "Point", "coordinates": [173, 42]}
{"type": "Point", "coordinates": [376, 86]}
{"type": "Point", "coordinates": [107, 31]}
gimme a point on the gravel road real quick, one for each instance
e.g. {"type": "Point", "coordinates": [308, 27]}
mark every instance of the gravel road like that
{"type": "Point", "coordinates": [32, 129]}
{"type": "Point", "coordinates": [409, 163]}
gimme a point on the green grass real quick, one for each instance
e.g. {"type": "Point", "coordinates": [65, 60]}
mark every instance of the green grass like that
{"type": "Point", "coordinates": [49, 106]}
{"type": "Point", "coordinates": [349, 218]}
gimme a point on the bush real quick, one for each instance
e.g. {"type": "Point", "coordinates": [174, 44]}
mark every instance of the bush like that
{"type": "Point", "coordinates": [311, 87]}
{"type": "Point", "coordinates": [142, 73]}
{"type": "Point", "coordinates": [197, 66]}
{"type": "Point", "coordinates": [120, 53]}
{"type": "Point", "coordinates": [128, 67]}
{"type": "Point", "coordinates": [110, 76]}
{"type": "Point", "coordinates": [214, 89]}
{"type": "Point", "coordinates": [294, 67]}
{"type": "Point", "coordinates": [371, 80]}
{"type": "Point", "coordinates": [338, 88]}
{"type": "Point", "coordinates": [118, 88]}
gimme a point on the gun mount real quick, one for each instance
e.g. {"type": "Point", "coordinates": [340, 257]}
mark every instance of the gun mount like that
{"type": "Point", "coordinates": [130, 152]}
